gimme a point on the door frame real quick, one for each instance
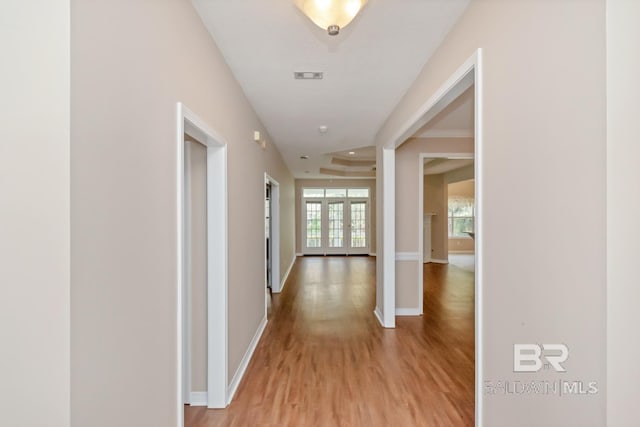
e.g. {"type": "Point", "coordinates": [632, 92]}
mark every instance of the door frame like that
{"type": "Point", "coordinates": [470, 72]}
{"type": "Point", "coordinates": [217, 256]}
{"type": "Point", "coordinates": [276, 285]}
{"type": "Point", "coordinates": [421, 175]}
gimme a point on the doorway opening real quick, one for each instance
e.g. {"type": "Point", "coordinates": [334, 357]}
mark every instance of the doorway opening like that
{"type": "Point", "coordinates": [272, 235]}
{"type": "Point", "coordinates": [201, 264]}
{"type": "Point", "coordinates": [440, 223]}
{"type": "Point", "coordinates": [467, 75]}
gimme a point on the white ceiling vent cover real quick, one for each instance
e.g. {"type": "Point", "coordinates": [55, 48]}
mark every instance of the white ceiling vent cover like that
{"type": "Point", "coordinates": [308, 75]}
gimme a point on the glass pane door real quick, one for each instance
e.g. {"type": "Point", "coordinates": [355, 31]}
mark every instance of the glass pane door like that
{"type": "Point", "coordinates": [359, 239]}
{"type": "Point", "coordinates": [313, 238]}
{"type": "Point", "coordinates": [336, 226]}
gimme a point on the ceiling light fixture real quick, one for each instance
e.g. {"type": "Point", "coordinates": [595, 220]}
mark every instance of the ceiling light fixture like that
{"type": "Point", "coordinates": [352, 153]}
{"type": "Point", "coordinates": [331, 15]}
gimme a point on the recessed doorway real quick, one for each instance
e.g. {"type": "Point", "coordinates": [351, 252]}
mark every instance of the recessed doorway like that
{"type": "Point", "coordinates": [201, 189]}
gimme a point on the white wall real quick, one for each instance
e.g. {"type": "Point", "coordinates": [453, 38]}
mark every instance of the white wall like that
{"type": "Point", "coordinates": [623, 211]}
{"type": "Point", "coordinates": [34, 213]}
{"type": "Point", "coordinates": [544, 124]}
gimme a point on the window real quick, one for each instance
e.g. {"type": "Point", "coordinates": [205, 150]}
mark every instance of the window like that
{"type": "Point", "coordinates": [362, 193]}
{"type": "Point", "coordinates": [461, 213]}
{"type": "Point", "coordinates": [315, 193]}
{"type": "Point", "coordinates": [336, 193]}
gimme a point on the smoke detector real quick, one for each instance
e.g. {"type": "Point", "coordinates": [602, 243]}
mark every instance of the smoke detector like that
{"type": "Point", "coordinates": [308, 75]}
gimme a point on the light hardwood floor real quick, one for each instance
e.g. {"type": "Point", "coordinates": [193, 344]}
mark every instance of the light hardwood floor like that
{"type": "Point", "coordinates": [324, 360]}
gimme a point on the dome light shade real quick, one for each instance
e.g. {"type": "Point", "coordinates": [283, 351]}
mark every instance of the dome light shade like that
{"type": "Point", "coordinates": [332, 15]}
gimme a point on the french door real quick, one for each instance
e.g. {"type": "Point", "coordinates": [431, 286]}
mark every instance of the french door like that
{"type": "Point", "coordinates": [335, 226]}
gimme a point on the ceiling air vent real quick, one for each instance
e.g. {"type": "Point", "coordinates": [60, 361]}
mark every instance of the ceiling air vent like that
{"type": "Point", "coordinates": [307, 75]}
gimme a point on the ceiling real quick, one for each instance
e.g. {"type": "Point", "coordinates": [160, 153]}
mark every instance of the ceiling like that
{"type": "Point", "coordinates": [367, 69]}
{"type": "Point", "coordinates": [456, 120]}
{"type": "Point", "coordinates": [438, 166]}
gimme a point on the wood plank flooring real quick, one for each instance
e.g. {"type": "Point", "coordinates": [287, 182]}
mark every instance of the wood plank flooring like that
{"type": "Point", "coordinates": [324, 360]}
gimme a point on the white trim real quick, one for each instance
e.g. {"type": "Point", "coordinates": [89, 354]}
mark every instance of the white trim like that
{"type": "Point", "coordinates": [198, 398]}
{"type": "Point", "coordinates": [462, 252]}
{"type": "Point", "coordinates": [479, 232]}
{"type": "Point", "coordinates": [407, 256]}
{"type": "Point", "coordinates": [244, 363]}
{"type": "Point", "coordinates": [372, 254]}
{"type": "Point", "coordinates": [439, 261]}
{"type": "Point", "coordinates": [389, 237]}
{"type": "Point", "coordinates": [408, 312]}
{"type": "Point", "coordinates": [180, 357]}
{"type": "Point", "coordinates": [299, 254]}
{"type": "Point", "coordinates": [468, 73]}
{"type": "Point", "coordinates": [286, 275]}
{"type": "Point", "coordinates": [217, 277]}
{"type": "Point", "coordinates": [378, 315]}
{"type": "Point", "coordinates": [186, 296]}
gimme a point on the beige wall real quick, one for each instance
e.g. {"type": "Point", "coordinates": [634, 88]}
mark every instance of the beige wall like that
{"type": "Point", "coordinates": [34, 213]}
{"type": "Point", "coordinates": [544, 98]}
{"type": "Point", "coordinates": [196, 202]}
{"type": "Point", "coordinates": [435, 201]}
{"type": "Point", "coordinates": [335, 183]}
{"type": "Point", "coordinates": [461, 189]}
{"type": "Point", "coordinates": [407, 176]}
{"type": "Point", "coordinates": [407, 212]}
{"type": "Point", "coordinates": [131, 63]}
{"type": "Point", "coordinates": [623, 211]}
{"type": "Point", "coordinates": [277, 169]}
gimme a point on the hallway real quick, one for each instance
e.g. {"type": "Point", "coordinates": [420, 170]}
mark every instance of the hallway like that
{"type": "Point", "coordinates": [324, 360]}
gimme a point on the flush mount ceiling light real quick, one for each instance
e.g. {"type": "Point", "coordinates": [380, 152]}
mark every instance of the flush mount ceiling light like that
{"type": "Point", "coordinates": [331, 15]}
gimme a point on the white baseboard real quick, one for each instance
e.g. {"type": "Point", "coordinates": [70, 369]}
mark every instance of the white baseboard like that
{"type": "Point", "coordinates": [286, 275]}
{"type": "Point", "coordinates": [373, 254]}
{"type": "Point", "coordinates": [235, 382]}
{"type": "Point", "coordinates": [299, 254]}
{"type": "Point", "coordinates": [439, 261]}
{"type": "Point", "coordinates": [462, 252]}
{"type": "Point", "coordinates": [198, 398]}
{"type": "Point", "coordinates": [378, 316]}
{"type": "Point", "coordinates": [408, 312]}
